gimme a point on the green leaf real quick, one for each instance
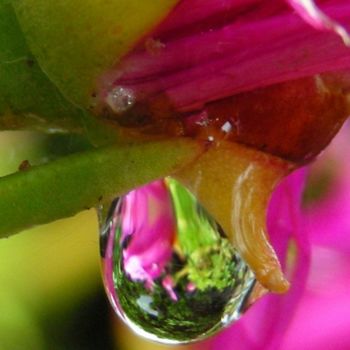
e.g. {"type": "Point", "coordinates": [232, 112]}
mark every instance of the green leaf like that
{"type": "Point", "coordinates": [28, 99]}
{"type": "Point", "coordinates": [73, 183]}
{"type": "Point", "coordinates": [77, 41]}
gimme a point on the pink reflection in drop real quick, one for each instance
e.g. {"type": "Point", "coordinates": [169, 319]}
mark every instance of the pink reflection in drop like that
{"type": "Point", "coordinates": [149, 228]}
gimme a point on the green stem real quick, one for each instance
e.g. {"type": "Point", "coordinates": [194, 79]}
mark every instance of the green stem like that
{"type": "Point", "coordinates": [68, 185]}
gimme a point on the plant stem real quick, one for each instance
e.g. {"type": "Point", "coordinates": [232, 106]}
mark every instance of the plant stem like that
{"type": "Point", "coordinates": [68, 185]}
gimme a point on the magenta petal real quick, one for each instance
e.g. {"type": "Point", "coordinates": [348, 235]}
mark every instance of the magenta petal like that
{"type": "Point", "coordinates": [322, 319]}
{"type": "Point", "coordinates": [313, 15]}
{"type": "Point", "coordinates": [329, 217]}
{"type": "Point", "coordinates": [255, 44]}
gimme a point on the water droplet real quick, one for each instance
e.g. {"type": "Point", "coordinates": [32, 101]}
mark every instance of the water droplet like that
{"type": "Point", "coordinates": [226, 127]}
{"type": "Point", "coordinates": [169, 271]}
{"type": "Point", "coordinates": [120, 99]}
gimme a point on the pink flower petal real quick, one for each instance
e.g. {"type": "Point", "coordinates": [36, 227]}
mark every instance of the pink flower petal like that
{"type": "Point", "coordinates": [329, 217]}
{"type": "Point", "coordinates": [321, 321]}
{"type": "Point", "coordinates": [231, 47]}
{"type": "Point", "coordinates": [313, 15]}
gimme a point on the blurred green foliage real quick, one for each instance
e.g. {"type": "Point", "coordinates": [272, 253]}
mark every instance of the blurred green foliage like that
{"type": "Point", "coordinates": [51, 293]}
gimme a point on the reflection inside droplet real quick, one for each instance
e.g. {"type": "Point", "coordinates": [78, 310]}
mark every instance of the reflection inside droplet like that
{"type": "Point", "coordinates": [169, 271]}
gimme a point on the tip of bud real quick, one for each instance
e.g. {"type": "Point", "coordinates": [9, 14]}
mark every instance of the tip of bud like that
{"type": "Point", "coordinates": [274, 280]}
